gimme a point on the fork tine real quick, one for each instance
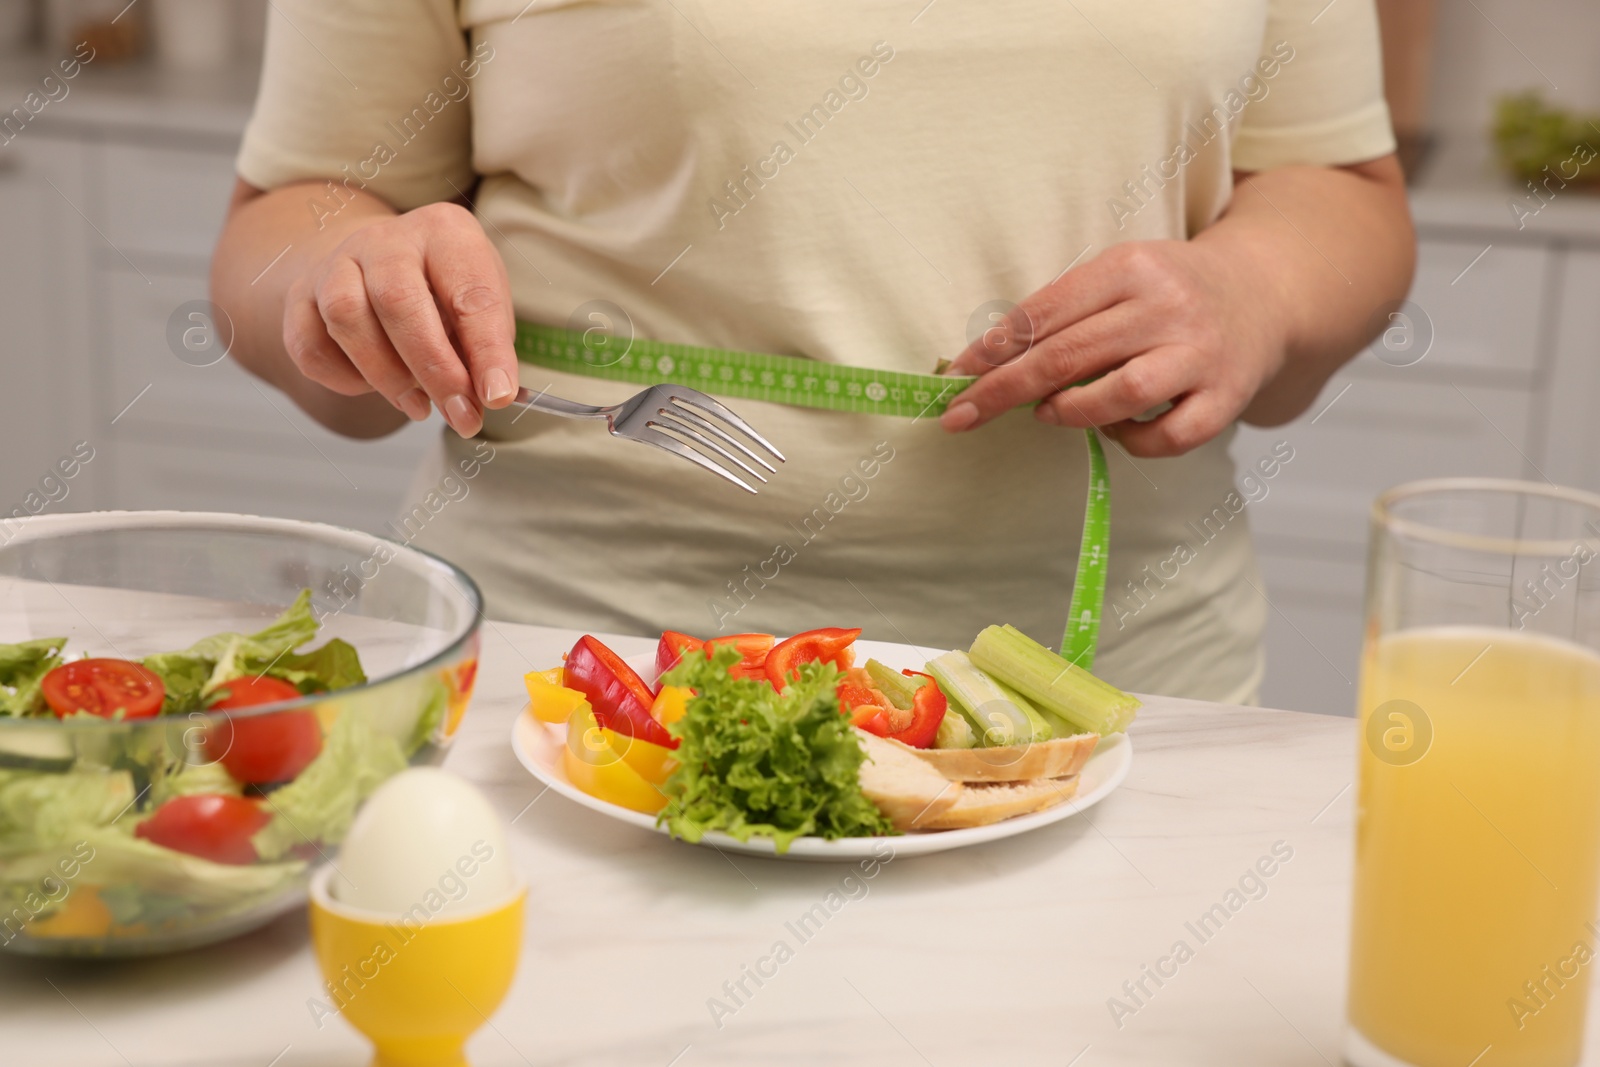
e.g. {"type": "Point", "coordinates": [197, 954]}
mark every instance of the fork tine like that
{"type": "Point", "coordinates": [667, 419]}
{"type": "Point", "coordinates": [712, 406]}
{"type": "Point", "coordinates": [683, 412]}
{"type": "Point", "coordinates": [651, 436]}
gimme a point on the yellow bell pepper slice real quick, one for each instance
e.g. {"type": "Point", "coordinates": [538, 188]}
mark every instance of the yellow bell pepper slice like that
{"type": "Point", "coordinates": [82, 914]}
{"type": "Point", "coordinates": [653, 762]}
{"type": "Point", "coordinates": [548, 699]}
{"type": "Point", "coordinates": [671, 704]}
{"type": "Point", "coordinates": [593, 765]}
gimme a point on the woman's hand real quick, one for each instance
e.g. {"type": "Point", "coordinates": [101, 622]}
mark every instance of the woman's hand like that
{"type": "Point", "coordinates": [416, 307]}
{"type": "Point", "coordinates": [1247, 320]}
{"type": "Point", "coordinates": [1152, 322]}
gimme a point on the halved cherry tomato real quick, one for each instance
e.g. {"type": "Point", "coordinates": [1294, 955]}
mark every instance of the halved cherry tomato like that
{"type": "Point", "coordinates": [209, 825]}
{"type": "Point", "coordinates": [592, 762]}
{"type": "Point", "coordinates": [830, 644]}
{"type": "Point", "coordinates": [753, 649]}
{"type": "Point", "coordinates": [619, 697]}
{"type": "Point", "coordinates": [260, 749]}
{"type": "Point", "coordinates": [103, 687]}
{"type": "Point", "coordinates": [549, 700]}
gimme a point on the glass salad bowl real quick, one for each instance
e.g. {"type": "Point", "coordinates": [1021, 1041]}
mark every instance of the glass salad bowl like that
{"type": "Point", "coordinates": [192, 708]}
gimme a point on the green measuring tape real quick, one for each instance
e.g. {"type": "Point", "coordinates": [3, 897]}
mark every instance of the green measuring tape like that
{"type": "Point", "coordinates": [832, 387]}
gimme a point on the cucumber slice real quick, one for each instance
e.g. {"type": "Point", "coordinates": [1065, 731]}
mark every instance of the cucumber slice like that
{"type": "Point", "coordinates": [45, 747]}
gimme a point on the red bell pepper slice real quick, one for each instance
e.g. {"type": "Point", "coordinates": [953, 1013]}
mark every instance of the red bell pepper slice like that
{"type": "Point", "coordinates": [619, 697]}
{"type": "Point", "coordinates": [673, 647]}
{"type": "Point", "coordinates": [927, 712]}
{"type": "Point", "coordinates": [830, 644]}
{"type": "Point", "coordinates": [863, 705]}
{"type": "Point", "coordinates": [753, 649]}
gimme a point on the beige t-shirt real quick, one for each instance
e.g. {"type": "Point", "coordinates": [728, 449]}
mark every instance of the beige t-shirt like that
{"type": "Point", "coordinates": [852, 182]}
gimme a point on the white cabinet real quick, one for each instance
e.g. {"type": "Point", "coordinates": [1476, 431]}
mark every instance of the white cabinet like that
{"type": "Point", "coordinates": [49, 398]}
{"type": "Point", "coordinates": [1507, 389]}
{"type": "Point", "coordinates": [106, 232]}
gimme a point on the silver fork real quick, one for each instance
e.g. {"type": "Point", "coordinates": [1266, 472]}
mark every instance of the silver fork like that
{"type": "Point", "coordinates": [672, 417]}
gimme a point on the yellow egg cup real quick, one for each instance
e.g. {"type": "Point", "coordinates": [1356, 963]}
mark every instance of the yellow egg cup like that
{"type": "Point", "coordinates": [416, 989]}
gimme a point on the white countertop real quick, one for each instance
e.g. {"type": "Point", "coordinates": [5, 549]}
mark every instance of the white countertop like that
{"type": "Point", "coordinates": [1006, 952]}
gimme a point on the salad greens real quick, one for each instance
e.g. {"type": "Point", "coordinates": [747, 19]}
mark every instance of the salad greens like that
{"type": "Point", "coordinates": [755, 761]}
{"type": "Point", "coordinates": [191, 676]}
{"type": "Point", "coordinates": [195, 673]}
{"type": "Point", "coordinates": [74, 800]}
{"type": "Point", "coordinates": [321, 802]}
{"type": "Point", "coordinates": [22, 666]}
{"type": "Point", "coordinates": [38, 811]}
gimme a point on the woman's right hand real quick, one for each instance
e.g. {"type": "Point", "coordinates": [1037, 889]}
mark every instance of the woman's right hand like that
{"type": "Point", "coordinates": [417, 308]}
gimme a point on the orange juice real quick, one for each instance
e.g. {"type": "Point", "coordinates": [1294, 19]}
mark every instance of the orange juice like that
{"type": "Point", "coordinates": [1472, 937]}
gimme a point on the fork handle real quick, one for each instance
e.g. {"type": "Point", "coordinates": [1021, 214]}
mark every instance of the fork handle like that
{"type": "Point", "coordinates": [554, 405]}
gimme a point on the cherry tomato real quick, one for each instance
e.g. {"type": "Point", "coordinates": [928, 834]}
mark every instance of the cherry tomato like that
{"type": "Point", "coordinates": [103, 687]}
{"type": "Point", "coordinates": [258, 749]}
{"type": "Point", "coordinates": [209, 825]}
{"type": "Point", "coordinates": [830, 644]}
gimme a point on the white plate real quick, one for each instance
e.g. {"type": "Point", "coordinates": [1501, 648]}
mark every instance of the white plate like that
{"type": "Point", "coordinates": [538, 747]}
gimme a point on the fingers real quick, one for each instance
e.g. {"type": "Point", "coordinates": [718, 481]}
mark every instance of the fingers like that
{"type": "Point", "coordinates": [397, 288]}
{"type": "Point", "coordinates": [313, 352]}
{"type": "Point", "coordinates": [472, 287]}
{"type": "Point", "coordinates": [1125, 392]}
{"type": "Point", "coordinates": [1073, 297]}
{"type": "Point", "coordinates": [1193, 420]}
{"type": "Point", "coordinates": [1082, 350]}
{"type": "Point", "coordinates": [351, 323]}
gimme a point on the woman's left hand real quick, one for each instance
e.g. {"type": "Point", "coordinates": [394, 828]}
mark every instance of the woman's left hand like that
{"type": "Point", "coordinates": [1157, 322]}
{"type": "Point", "coordinates": [1249, 319]}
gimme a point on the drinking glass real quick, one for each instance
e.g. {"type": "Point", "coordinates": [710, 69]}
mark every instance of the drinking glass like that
{"type": "Point", "coordinates": [1478, 805]}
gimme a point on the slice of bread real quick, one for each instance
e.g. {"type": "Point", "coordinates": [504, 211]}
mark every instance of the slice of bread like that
{"type": "Point", "coordinates": [1057, 758]}
{"type": "Point", "coordinates": [904, 788]}
{"type": "Point", "coordinates": [982, 804]}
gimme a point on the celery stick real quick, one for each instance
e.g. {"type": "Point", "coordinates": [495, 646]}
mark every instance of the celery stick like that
{"type": "Point", "coordinates": [1055, 685]}
{"type": "Point", "coordinates": [1043, 730]}
{"type": "Point", "coordinates": [901, 690]}
{"type": "Point", "coordinates": [1000, 720]}
{"type": "Point", "coordinates": [955, 731]}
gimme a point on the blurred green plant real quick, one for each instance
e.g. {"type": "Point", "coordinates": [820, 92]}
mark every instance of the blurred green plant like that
{"type": "Point", "coordinates": [1530, 135]}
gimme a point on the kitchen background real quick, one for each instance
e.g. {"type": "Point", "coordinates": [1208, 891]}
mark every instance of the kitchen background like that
{"type": "Point", "coordinates": [113, 184]}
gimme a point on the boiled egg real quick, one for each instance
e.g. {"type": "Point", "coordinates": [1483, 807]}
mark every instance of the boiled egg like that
{"type": "Point", "coordinates": [425, 844]}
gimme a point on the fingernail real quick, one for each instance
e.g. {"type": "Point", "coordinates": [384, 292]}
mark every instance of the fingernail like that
{"type": "Point", "coordinates": [959, 417]}
{"type": "Point", "coordinates": [414, 402]}
{"type": "Point", "coordinates": [496, 385]}
{"type": "Point", "coordinates": [461, 415]}
{"type": "Point", "coordinates": [1046, 413]}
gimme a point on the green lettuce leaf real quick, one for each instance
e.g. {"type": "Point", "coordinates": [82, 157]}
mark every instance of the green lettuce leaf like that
{"type": "Point", "coordinates": [22, 666]}
{"type": "Point", "coordinates": [195, 673]}
{"type": "Point", "coordinates": [753, 761]}
{"type": "Point", "coordinates": [180, 779]}
{"type": "Point", "coordinates": [40, 811]}
{"type": "Point", "coordinates": [184, 676]}
{"type": "Point", "coordinates": [318, 806]}
{"type": "Point", "coordinates": [333, 666]}
{"type": "Point", "coordinates": [288, 631]}
{"type": "Point", "coordinates": [112, 856]}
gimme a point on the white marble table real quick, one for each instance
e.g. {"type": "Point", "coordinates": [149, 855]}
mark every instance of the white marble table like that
{"type": "Point", "coordinates": [1007, 952]}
